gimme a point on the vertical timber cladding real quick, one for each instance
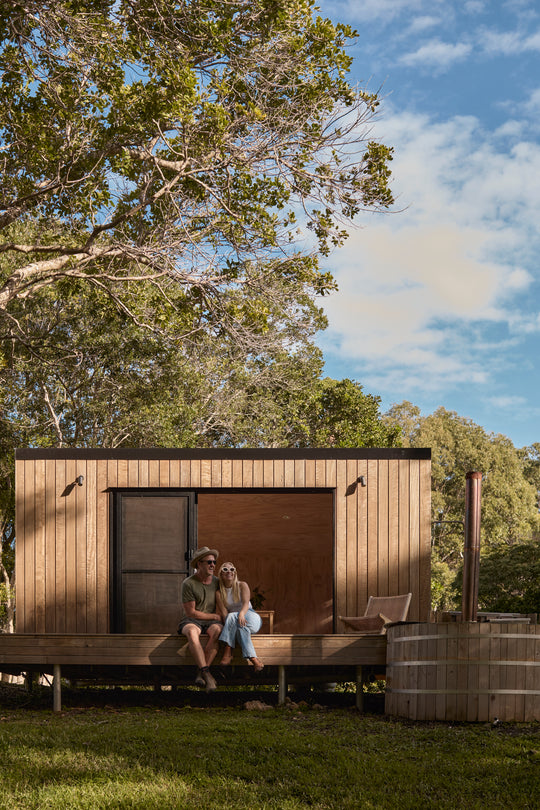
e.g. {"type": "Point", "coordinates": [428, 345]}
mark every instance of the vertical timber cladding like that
{"type": "Point", "coordinates": [381, 531]}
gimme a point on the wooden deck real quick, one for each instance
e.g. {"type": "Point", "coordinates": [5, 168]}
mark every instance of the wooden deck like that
{"type": "Point", "coordinates": [99, 656]}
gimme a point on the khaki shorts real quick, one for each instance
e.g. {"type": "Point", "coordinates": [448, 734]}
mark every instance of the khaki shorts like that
{"type": "Point", "coordinates": [198, 623]}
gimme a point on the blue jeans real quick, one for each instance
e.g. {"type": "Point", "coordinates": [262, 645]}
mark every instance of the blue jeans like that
{"type": "Point", "coordinates": [232, 632]}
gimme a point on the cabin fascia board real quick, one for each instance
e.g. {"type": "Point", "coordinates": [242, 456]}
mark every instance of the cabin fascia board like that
{"type": "Point", "coordinates": [161, 453]}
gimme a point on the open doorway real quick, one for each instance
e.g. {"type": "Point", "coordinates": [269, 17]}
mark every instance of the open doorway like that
{"type": "Point", "coordinates": [282, 544]}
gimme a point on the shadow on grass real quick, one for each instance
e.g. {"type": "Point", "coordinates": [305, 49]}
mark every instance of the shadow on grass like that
{"type": "Point", "coordinates": [40, 698]}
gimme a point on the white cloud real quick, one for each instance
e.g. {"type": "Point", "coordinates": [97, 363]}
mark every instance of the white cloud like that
{"type": "Point", "coordinates": [401, 287]}
{"type": "Point", "coordinates": [384, 11]}
{"type": "Point", "coordinates": [437, 54]}
{"type": "Point", "coordinates": [524, 323]}
{"type": "Point", "coordinates": [474, 6]}
{"type": "Point", "coordinates": [533, 104]}
{"type": "Point", "coordinates": [423, 291]}
{"type": "Point", "coordinates": [507, 43]}
{"type": "Point", "coordinates": [510, 129]}
{"type": "Point", "coordinates": [508, 402]}
{"type": "Point", "coordinates": [422, 23]}
{"type": "Point", "coordinates": [532, 43]}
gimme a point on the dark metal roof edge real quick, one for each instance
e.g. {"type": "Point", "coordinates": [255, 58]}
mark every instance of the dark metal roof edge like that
{"type": "Point", "coordinates": [162, 453]}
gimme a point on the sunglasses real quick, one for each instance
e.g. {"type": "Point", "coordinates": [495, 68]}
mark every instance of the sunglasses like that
{"type": "Point", "coordinates": [209, 562]}
{"type": "Point", "coordinates": [226, 570]}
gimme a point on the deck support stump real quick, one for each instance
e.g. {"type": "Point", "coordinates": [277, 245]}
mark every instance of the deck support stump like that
{"type": "Point", "coordinates": [57, 689]}
{"type": "Point", "coordinates": [359, 689]}
{"type": "Point", "coordinates": [282, 685]}
{"type": "Point", "coordinates": [29, 681]}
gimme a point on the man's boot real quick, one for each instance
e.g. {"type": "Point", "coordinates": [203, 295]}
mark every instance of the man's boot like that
{"type": "Point", "coordinates": [211, 685]}
{"type": "Point", "coordinates": [199, 680]}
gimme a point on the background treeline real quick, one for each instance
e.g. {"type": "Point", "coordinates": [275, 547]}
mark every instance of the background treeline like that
{"type": "Point", "coordinates": [510, 524]}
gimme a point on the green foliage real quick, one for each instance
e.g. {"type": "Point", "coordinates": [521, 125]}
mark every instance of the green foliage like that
{"type": "Point", "coordinates": [443, 584]}
{"type": "Point", "coordinates": [257, 598]}
{"type": "Point", "coordinates": [530, 457]}
{"type": "Point", "coordinates": [6, 596]}
{"type": "Point", "coordinates": [458, 446]}
{"type": "Point", "coordinates": [510, 579]}
{"type": "Point", "coordinates": [338, 414]}
{"type": "Point", "coordinates": [509, 511]}
{"type": "Point", "coordinates": [126, 385]}
{"type": "Point", "coordinates": [177, 139]}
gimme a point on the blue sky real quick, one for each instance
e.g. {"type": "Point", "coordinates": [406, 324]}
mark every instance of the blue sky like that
{"type": "Point", "coordinates": [439, 301]}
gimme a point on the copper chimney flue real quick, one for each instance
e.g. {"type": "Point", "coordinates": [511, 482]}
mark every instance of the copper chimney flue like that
{"type": "Point", "coordinates": [471, 556]}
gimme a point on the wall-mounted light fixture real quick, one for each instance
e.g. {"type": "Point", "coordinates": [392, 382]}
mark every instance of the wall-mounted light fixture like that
{"type": "Point", "coordinates": [353, 487]}
{"type": "Point", "coordinates": [79, 480]}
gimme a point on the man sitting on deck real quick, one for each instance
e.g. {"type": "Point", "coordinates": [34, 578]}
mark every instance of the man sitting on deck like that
{"type": "Point", "coordinates": [199, 601]}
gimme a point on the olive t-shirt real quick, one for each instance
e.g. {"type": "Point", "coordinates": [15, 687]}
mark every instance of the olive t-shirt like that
{"type": "Point", "coordinates": [204, 596]}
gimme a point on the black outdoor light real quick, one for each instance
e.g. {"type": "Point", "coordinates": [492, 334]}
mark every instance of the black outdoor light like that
{"type": "Point", "coordinates": [352, 487]}
{"type": "Point", "coordinates": [80, 479]}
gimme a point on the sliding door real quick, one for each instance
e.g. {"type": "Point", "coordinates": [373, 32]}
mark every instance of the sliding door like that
{"type": "Point", "coordinates": [154, 533]}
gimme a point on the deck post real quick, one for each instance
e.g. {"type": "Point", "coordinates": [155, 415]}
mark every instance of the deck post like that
{"type": "Point", "coordinates": [282, 685]}
{"type": "Point", "coordinates": [359, 689]}
{"type": "Point", "coordinates": [57, 689]}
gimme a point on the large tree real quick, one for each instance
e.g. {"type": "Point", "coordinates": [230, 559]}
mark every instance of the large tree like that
{"type": "Point", "coordinates": [189, 143]}
{"type": "Point", "coordinates": [117, 384]}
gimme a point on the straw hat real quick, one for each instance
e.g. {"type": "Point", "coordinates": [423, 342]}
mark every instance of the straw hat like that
{"type": "Point", "coordinates": [202, 552]}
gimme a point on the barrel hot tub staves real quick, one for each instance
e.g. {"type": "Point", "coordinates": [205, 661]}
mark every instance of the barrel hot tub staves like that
{"type": "Point", "coordinates": [464, 671]}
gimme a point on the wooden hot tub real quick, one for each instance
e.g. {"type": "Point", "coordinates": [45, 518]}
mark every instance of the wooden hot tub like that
{"type": "Point", "coordinates": [465, 671]}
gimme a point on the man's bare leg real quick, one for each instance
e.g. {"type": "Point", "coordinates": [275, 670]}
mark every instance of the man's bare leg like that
{"type": "Point", "coordinates": [192, 633]}
{"type": "Point", "coordinates": [211, 648]}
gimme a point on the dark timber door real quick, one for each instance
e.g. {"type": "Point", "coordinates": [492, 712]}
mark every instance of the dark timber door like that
{"type": "Point", "coordinates": [151, 550]}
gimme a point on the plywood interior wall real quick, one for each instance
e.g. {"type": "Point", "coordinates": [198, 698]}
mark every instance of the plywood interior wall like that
{"type": "Point", "coordinates": [381, 531]}
{"type": "Point", "coordinates": [282, 543]}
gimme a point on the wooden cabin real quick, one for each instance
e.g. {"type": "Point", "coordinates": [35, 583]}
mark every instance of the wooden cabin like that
{"type": "Point", "coordinates": [104, 537]}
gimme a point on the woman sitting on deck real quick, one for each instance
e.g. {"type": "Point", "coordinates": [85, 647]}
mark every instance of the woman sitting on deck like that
{"type": "Point", "coordinates": [239, 618]}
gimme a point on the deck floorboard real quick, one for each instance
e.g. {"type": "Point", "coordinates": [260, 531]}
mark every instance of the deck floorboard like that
{"type": "Point", "coordinates": [34, 650]}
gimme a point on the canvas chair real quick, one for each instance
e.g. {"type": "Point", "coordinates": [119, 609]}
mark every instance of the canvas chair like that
{"type": "Point", "coordinates": [380, 611]}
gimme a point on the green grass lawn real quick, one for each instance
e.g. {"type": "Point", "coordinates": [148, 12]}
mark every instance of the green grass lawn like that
{"type": "Point", "coordinates": [291, 757]}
